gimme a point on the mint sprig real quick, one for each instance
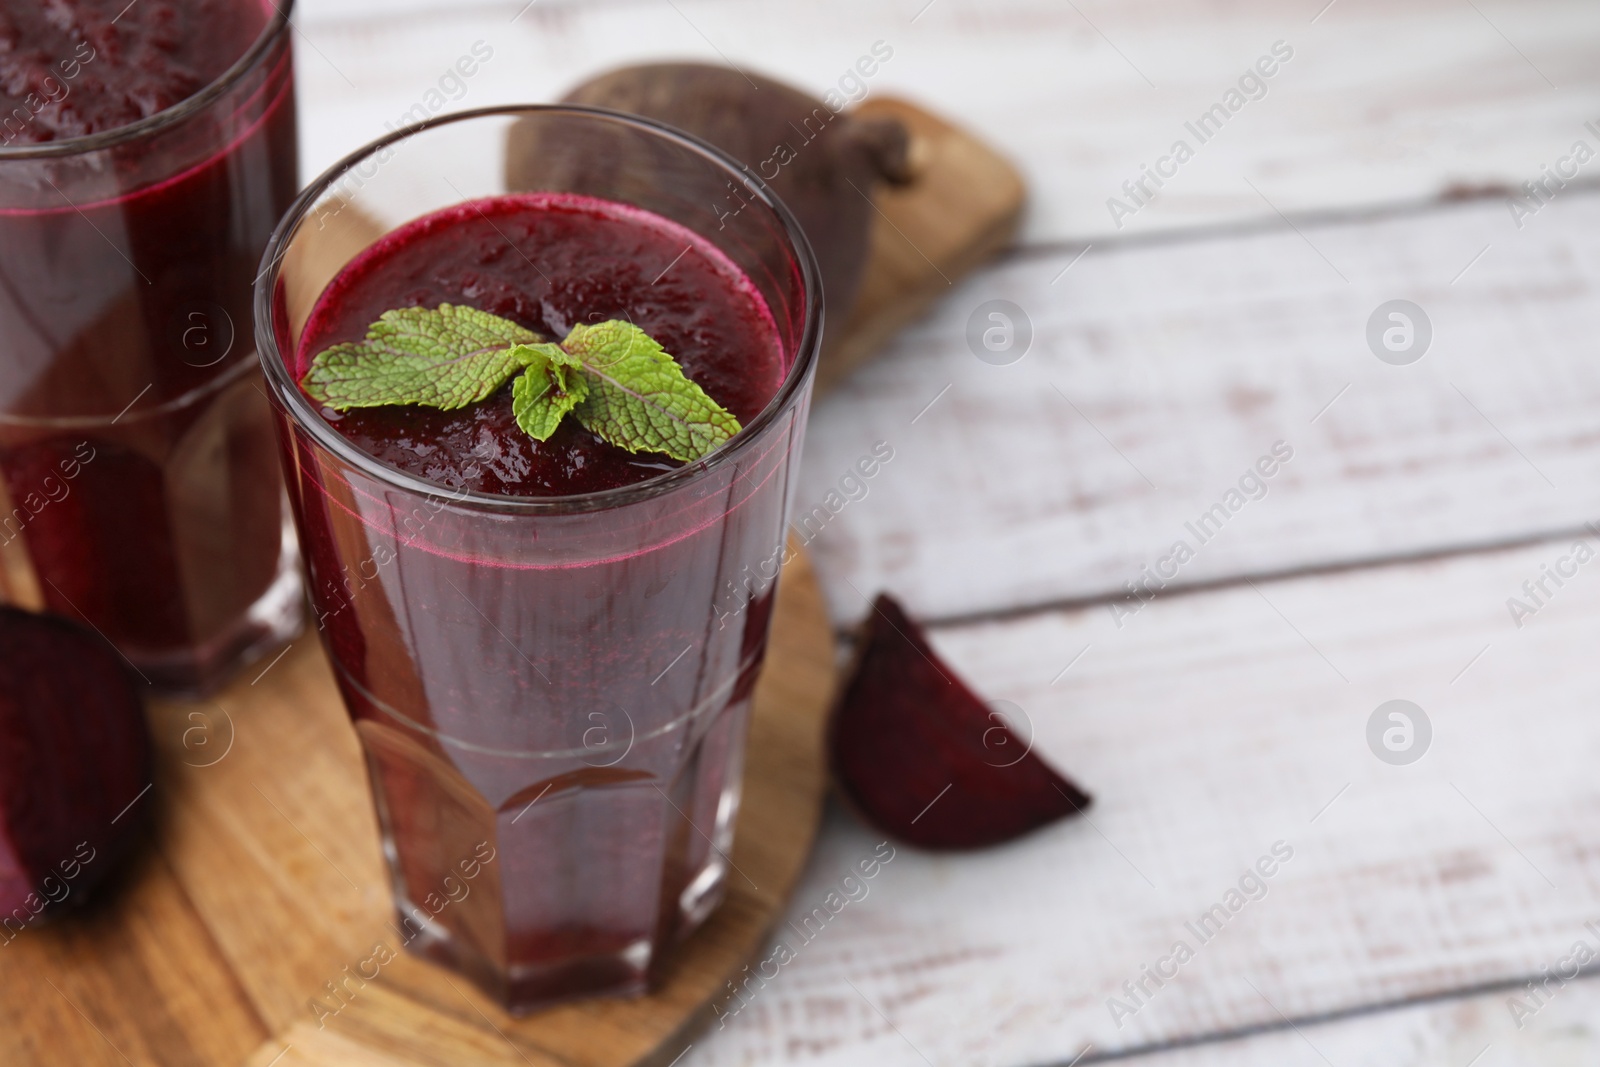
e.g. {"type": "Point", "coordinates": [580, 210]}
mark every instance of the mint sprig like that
{"type": "Point", "coordinates": [446, 359]}
{"type": "Point", "coordinates": [552, 387]}
{"type": "Point", "coordinates": [637, 392]}
{"type": "Point", "coordinates": [613, 377]}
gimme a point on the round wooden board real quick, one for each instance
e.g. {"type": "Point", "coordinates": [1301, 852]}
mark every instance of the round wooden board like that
{"type": "Point", "coordinates": [265, 891]}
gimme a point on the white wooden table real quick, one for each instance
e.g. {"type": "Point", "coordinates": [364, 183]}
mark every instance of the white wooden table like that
{"type": "Point", "coordinates": [1231, 712]}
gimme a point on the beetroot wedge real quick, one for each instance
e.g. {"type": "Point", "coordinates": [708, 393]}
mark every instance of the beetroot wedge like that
{"type": "Point", "coordinates": [75, 762]}
{"type": "Point", "coordinates": [924, 759]}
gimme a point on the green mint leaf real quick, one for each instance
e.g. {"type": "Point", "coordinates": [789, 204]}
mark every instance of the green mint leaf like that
{"type": "Point", "coordinates": [445, 358]}
{"type": "Point", "coordinates": [638, 398]}
{"type": "Point", "coordinates": [613, 376]}
{"type": "Point", "coordinates": [551, 387]}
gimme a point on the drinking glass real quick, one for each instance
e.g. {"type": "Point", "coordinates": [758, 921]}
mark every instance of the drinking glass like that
{"type": "Point", "coordinates": [551, 693]}
{"type": "Point", "coordinates": [139, 489]}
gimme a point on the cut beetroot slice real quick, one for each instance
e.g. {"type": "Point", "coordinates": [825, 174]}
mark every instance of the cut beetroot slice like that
{"type": "Point", "coordinates": [924, 759]}
{"type": "Point", "coordinates": [75, 763]}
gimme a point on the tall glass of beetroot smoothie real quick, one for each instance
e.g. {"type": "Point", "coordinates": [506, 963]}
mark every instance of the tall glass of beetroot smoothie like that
{"type": "Point", "coordinates": [146, 151]}
{"type": "Point", "coordinates": [548, 647]}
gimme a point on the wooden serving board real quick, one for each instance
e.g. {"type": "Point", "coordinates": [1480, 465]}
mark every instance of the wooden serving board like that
{"type": "Point", "coordinates": [963, 207]}
{"type": "Point", "coordinates": [264, 888]}
{"type": "Point", "coordinates": [265, 883]}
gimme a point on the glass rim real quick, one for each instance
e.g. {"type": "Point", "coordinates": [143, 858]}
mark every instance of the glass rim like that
{"type": "Point", "coordinates": [304, 414]}
{"type": "Point", "coordinates": [276, 26]}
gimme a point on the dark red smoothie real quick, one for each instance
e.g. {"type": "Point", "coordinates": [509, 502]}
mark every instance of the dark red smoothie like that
{"type": "Point", "coordinates": [138, 490]}
{"type": "Point", "coordinates": [586, 261]}
{"type": "Point", "coordinates": [77, 67]}
{"type": "Point", "coordinates": [556, 688]}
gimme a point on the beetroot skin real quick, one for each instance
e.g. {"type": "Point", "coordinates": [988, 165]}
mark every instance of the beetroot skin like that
{"type": "Point", "coordinates": [924, 759]}
{"type": "Point", "coordinates": [75, 761]}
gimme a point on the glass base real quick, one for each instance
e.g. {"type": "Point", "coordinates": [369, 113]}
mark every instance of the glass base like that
{"type": "Point", "coordinates": [574, 963]}
{"type": "Point", "coordinates": [624, 971]}
{"type": "Point", "coordinates": [579, 878]}
{"type": "Point", "coordinates": [276, 618]}
{"type": "Point", "coordinates": [525, 989]}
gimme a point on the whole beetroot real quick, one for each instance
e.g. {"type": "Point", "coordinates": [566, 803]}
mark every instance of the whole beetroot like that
{"type": "Point", "coordinates": [824, 165]}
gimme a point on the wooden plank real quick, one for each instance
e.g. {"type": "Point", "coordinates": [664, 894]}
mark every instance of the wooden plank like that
{"type": "Point", "coordinates": [1480, 1031]}
{"type": "Point", "coordinates": [1159, 374]}
{"type": "Point", "coordinates": [385, 1027]}
{"type": "Point", "coordinates": [1218, 724]}
{"type": "Point", "coordinates": [136, 979]}
{"type": "Point", "coordinates": [274, 830]}
{"type": "Point", "coordinates": [1379, 103]}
